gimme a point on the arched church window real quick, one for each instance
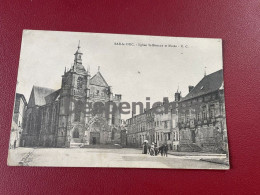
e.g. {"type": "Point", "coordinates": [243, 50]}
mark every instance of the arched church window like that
{"type": "Point", "coordinates": [78, 108]}
{"type": "Point", "coordinates": [113, 135]}
{"type": "Point", "coordinates": [79, 83]}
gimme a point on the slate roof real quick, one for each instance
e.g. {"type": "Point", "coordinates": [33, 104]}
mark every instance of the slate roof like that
{"type": "Point", "coordinates": [208, 84]}
{"type": "Point", "coordinates": [99, 80]}
{"type": "Point", "coordinates": [79, 68]}
{"type": "Point", "coordinates": [19, 95]}
{"type": "Point", "coordinates": [38, 95]}
{"type": "Point", "coordinates": [52, 97]}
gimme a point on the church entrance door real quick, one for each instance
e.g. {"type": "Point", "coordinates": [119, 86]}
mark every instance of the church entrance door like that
{"type": "Point", "coordinates": [94, 138]}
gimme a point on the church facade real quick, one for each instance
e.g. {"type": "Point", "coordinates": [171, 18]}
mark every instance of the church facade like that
{"type": "Point", "coordinates": [63, 117]}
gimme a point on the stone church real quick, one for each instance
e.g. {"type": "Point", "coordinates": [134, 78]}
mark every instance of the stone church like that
{"type": "Point", "coordinates": [62, 118]}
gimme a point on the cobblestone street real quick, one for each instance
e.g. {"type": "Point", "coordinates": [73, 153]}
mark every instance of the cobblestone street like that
{"type": "Point", "coordinates": [91, 157]}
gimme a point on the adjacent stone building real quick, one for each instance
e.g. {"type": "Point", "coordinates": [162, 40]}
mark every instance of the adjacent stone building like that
{"type": "Point", "coordinates": [155, 125]}
{"type": "Point", "coordinates": [63, 117]}
{"type": "Point", "coordinates": [20, 106]}
{"type": "Point", "coordinates": [202, 117]}
{"type": "Point", "coordinates": [196, 122]}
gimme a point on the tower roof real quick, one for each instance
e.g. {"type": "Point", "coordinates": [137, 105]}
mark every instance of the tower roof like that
{"type": "Point", "coordinates": [78, 50]}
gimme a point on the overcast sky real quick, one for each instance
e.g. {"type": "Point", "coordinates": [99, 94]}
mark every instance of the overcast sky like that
{"type": "Point", "coordinates": [133, 71]}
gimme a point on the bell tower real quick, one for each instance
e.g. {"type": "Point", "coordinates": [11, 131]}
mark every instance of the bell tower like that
{"type": "Point", "coordinates": [73, 97]}
{"type": "Point", "coordinates": [78, 55]}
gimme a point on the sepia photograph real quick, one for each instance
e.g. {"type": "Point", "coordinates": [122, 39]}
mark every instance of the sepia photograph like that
{"type": "Point", "coordinates": [117, 100]}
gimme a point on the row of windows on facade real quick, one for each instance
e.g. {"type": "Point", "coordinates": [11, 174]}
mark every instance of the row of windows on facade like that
{"type": "Point", "coordinates": [204, 115]}
{"type": "Point", "coordinates": [189, 103]}
{"type": "Point", "coordinates": [143, 127]}
{"type": "Point", "coordinates": [200, 99]}
{"type": "Point", "coordinates": [158, 136]}
{"type": "Point", "coordinates": [135, 119]}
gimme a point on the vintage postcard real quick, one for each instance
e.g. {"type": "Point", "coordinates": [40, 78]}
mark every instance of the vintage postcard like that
{"type": "Point", "coordinates": [112, 100]}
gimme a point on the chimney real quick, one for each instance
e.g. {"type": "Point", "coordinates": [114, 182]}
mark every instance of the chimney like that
{"type": "Point", "coordinates": [190, 88]}
{"type": "Point", "coordinates": [118, 96]}
{"type": "Point", "coordinates": [165, 100]}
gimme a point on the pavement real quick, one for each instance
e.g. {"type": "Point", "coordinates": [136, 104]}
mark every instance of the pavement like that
{"type": "Point", "coordinates": [97, 157]}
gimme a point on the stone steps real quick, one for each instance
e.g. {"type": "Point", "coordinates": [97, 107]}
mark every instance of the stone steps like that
{"type": "Point", "coordinates": [76, 145]}
{"type": "Point", "coordinates": [189, 148]}
{"type": "Point", "coordinates": [108, 146]}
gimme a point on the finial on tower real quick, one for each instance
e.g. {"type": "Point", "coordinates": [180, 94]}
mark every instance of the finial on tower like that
{"type": "Point", "coordinates": [79, 44]}
{"type": "Point", "coordinates": [205, 71]}
{"type": "Point", "coordinates": [98, 68]}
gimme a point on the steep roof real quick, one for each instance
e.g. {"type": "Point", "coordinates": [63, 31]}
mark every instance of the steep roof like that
{"type": "Point", "coordinates": [99, 80]}
{"type": "Point", "coordinates": [19, 95]}
{"type": "Point", "coordinates": [38, 95]}
{"type": "Point", "coordinates": [52, 97]}
{"type": "Point", "coordinates": [208, 84]}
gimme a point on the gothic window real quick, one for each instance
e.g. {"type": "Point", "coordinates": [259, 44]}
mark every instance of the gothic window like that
{"type": "Point", "coordinates": [78, 105]}
{"type": "Point", "coordinates": [113, 119]}
{"type": "Point", "coordinates": [212, 113]}
{"type": "Point", "coordinates": [204, 112]}
{"type": "Point", "coordinates": [113, 134]}
{"type": "Point", "coordinates": [30, 122]}
{"type": "Point", "coordinates": [53, 114]}
{"type": "Point", "coordinates": [79, 83]}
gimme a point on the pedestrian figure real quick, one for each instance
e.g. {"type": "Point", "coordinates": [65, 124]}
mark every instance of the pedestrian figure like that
{"type": "Point", "coordinates": [155, 150]}
{"type": "Point", "coordinates": [161, 149]}
{"type": "Point", "coordinates": [165, 149]}
{"type": "Point", "coordinates": [152, 150]}
{"type": "Point", "coordinates": [145, 148]}
{"type": "Point", "coordinates": [149, 148]}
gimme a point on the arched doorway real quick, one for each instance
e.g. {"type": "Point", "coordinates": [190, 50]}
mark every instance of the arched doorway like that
{"type": "Point", "coordinates": [75, 133]}
{"type": "Point", "coordinates": [95, 133]}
